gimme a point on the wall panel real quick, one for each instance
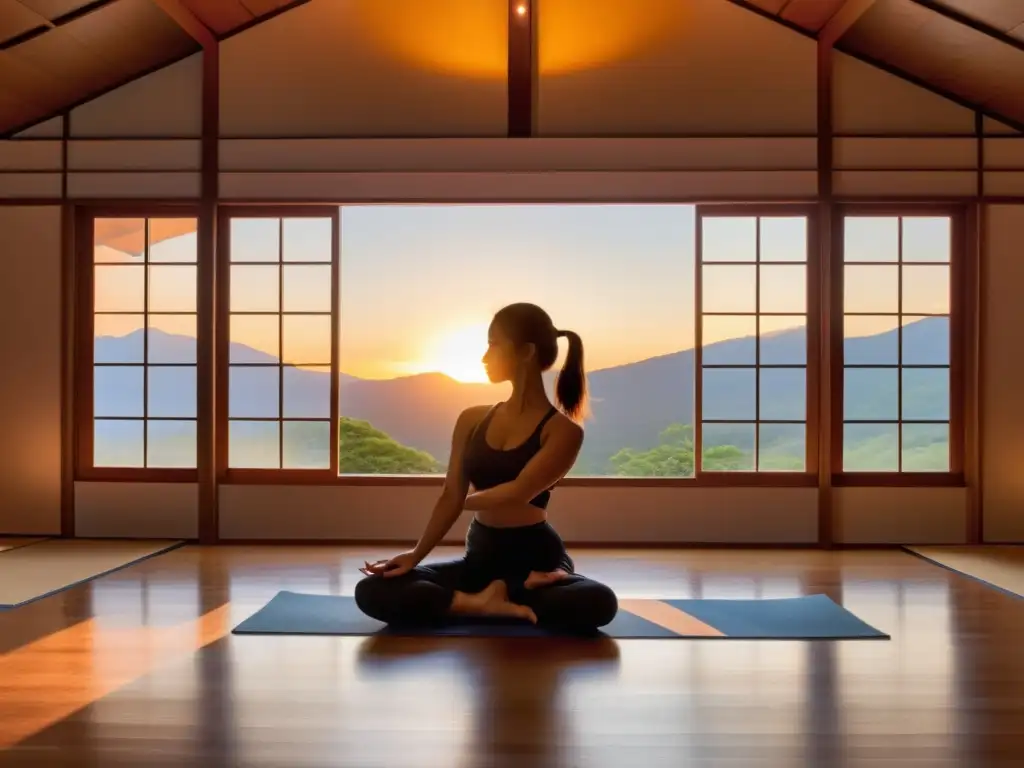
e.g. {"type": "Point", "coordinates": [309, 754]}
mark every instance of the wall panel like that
{"type": "Point", "coordinates": [536, 154]}
{"type": "Point", "coordinates": [137, 510]}
{"type": "Point", "coordinates": [166, 103]}
{"type": "Point", "coordinates": [145, 155]}
{"type": "Point", "coordinates": [30, 155]}
{"type": "Point", "coordinates": [905, 154]}
{"type": "Point", "coordinates": [867, 100]}
{"type": "Point", "coordinates": [524, 187]}
{"type": "Point", "coordinates": [1004, 183]}
{"type": "Point", "coordinates": [48, 129]}
{"type": "Point", "coordinates": [43, 186]}
{"type": "Point", "coordinates": [154, 185]}
{"type": "Point", "coordinates": [592, 515]}
{"type": "Point", "coordinates": [909, 184]}
{"type": "Point", "coordinates": [901, 515]}
{"type": "Point", "coordinates": [1003, 375]}
{"type": "Point", "coordinates": [990, 126]}
{"type": "Point", "coordinates": [30, 385]}
{"type": "Point", "coordinates": [369, 68]}
{"type": "Point", "coordinates": [661, 67]}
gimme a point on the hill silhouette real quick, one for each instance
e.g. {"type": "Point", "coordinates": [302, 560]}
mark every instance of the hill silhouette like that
{"type": "Point", "coordinates": [631, 405]}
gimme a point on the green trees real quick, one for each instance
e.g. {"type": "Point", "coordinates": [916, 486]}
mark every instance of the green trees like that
{"type": "Point", "coordinates": [673, 456]}
{"type": "Point", "coordinates": [365, 450]}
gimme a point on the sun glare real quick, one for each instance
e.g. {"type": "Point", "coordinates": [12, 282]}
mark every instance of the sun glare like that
{"type": "Point", "coordinates": [457, 354]}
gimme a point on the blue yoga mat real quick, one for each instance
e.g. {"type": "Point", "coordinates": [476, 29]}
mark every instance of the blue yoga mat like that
{"type": "Point", "coordinates": [813, 617]}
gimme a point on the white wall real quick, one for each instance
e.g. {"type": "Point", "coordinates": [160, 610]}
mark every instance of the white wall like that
{"type": "Point", "coordinates": [30, 382]}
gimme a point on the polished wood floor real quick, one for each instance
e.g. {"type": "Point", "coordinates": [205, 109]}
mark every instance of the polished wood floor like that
{"type": "Point", "coordinates": [139, 669]}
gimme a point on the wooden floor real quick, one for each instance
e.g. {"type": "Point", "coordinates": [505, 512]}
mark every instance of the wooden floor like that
{"type": "Point", "coordinates": [139, 669]}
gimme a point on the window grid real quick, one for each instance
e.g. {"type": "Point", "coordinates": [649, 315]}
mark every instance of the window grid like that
{"type": "Point", "coordinates": [757, 367]}
{"type": "Point", "coordinates": [899, 366]}
{"type": "Point", "coordinates": [281, 364]}
{"type": "Point", "coordinates": [145, 419]}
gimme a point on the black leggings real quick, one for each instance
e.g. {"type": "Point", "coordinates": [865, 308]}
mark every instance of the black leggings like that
{"type": "Point", "coordinates": [424, 595]}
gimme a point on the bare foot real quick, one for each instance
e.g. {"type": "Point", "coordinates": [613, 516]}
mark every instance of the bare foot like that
{"type": "Point", "coordinates": [492, 601]}
{"type": "Point", "coordinates": [541, 578]}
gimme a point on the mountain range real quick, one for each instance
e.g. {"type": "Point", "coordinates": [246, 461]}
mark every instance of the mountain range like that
{"type": "Point", "coordinates": [631, 404]}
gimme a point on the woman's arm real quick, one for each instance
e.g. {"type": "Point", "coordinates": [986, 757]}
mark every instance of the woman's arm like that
{"type": "Point", "coordinates": [551, 464]}
{"type": "Point", "coordinates": [450, 504]}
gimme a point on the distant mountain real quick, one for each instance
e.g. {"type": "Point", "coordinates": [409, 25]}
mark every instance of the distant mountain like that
{"type": "Point", "coordinates": [631, 404]}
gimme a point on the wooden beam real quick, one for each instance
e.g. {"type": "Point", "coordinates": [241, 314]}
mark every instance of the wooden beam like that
{"type": "Point", "coordinates": [841, 21]}
{"type": "Point", "coordinates": [69, 334]}
{"type": "Point", "coordinates": [188, 22]}
{"type": "Point", "coordinates": [521, 66]}
{"type": "Point", "coordinates": [206, 347]}
{"type": "Point", "coordinates": [828, 439]}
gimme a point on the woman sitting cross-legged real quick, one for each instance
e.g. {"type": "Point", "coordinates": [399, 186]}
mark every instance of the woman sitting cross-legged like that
{"type": "Point", "coordinates": [512, 454]}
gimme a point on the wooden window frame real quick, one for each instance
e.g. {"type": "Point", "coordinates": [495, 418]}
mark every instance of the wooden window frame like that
{"type": "Point", "coordinates": [962, 272]}
{"type": "Point", "coordinates": [812, 366]}
{"type": "Point", "coordinates": [959, 313]}
{"type": "Point", "coordinates": [270, 476]}
{"type": "Point", "coordinates": [84, 347]}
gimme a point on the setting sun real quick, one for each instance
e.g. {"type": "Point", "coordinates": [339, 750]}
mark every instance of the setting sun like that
{"type": "Point", "coordinates": [457, 354]}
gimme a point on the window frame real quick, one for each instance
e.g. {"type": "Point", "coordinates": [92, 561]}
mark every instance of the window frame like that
{"type": "Point", "coordinates": [83, 404]}
{"type": "Point", "coordinates": [762, 478]}
{"type": "Point", "coordinates": [820, 299]}
{"type": "Point", "coordinates": [222, 339]}
{"type": "Point", "coordinates": [960, 311]}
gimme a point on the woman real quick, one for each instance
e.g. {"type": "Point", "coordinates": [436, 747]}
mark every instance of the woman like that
{"type": "Point", "coordinates": [512, 454]}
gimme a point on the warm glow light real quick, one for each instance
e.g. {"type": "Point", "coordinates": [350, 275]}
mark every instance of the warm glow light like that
{"type": "Point", "coordinates": [470, 37]}
{"type": "Point", "coordinates": [465, 37]}
{"type": "Point", "coordinates": [577, 35]}
{"type": "Point", "coordinates": [457, 354]}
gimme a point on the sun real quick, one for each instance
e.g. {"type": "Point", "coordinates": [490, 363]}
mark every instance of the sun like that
{"type": "Point", "coordinates": [457, 354]}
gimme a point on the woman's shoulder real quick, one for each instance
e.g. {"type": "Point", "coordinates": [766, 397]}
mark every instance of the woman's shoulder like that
{"type": "Point", "coordinates": [562, 424]}
{"type": "Point", "coordinates": [472, 416]}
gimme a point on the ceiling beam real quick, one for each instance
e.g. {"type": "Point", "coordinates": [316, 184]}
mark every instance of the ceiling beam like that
{"type": "Point", "coordinates": [188, 22]}
{"type": "Point", "coordinates": [522, 67]}
{"type": "Point", "coordinates": [841, 21]}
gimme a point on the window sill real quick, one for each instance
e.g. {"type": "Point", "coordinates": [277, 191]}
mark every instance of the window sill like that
{"type": "Point", "coordinates": [899, 480]}
{"type": "Point", "coordinates": [707, 480]}
{"type": "Point", "coordinates": [135, 475]}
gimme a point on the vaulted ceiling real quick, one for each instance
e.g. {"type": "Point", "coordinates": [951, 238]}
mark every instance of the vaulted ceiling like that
{"type": "Point", "coordinates": [969, 50]}
{"type": "Point", "coordinates": [55, 54]}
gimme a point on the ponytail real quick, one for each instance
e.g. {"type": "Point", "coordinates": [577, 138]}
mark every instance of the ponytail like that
{"type": "Point", "coordinates": [571, 387]}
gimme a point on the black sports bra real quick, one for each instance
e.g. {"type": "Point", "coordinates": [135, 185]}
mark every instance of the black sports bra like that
{"type": "Point", "coordinates": [486, 467]}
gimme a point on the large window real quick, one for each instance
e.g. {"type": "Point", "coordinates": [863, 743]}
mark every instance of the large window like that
{"type": "Point", "coordinates": [900, 357]}
{"type": "Point", "coordinates": [419, 285]}
{"type": "Point", "coordinates": [281, 311]}
{"type": "Point", "coordinates": [349, 339]}
{"type": "Point", "coordinates": [753, 391]}
{"type": "Point", "coordinates": [138, 390]}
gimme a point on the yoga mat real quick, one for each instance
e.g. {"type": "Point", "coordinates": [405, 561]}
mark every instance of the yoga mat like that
{"type": "Point", "coordinates": [16, 542]}
{"type": "Point", "coordinates": [31, 573]}
{"type": "Point", "coordinates": [998, 566]}
{"type": "Point", "coordinates": [814, 617]}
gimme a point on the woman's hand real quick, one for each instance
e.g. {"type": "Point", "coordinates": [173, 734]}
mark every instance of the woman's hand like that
{"type": "Point", "coordinates": [543, 578]}
{"type": "Point", "coordinates": [396, 566]}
